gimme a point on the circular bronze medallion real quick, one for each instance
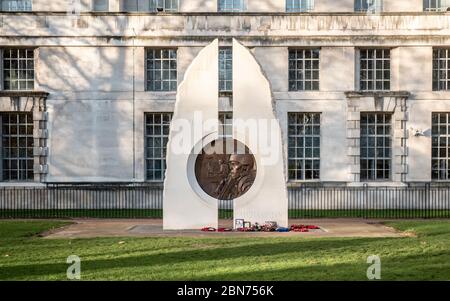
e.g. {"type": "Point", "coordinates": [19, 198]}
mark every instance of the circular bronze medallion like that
{"type": "Point", "coordinates": [225, 169]}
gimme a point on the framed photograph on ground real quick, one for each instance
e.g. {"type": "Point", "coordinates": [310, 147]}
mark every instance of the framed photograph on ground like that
{"type": "Point", "coordinates": [239, 224]}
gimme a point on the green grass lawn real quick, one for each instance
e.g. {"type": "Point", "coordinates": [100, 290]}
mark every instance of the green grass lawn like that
{"type": "Point", "coordinates": [25, 256]}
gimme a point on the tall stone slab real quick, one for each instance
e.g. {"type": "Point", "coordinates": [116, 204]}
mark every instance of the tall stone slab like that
{"type": "Point", "coordinates": [267, 199]}
{"type": "Point", "coordinates": [194, 125]}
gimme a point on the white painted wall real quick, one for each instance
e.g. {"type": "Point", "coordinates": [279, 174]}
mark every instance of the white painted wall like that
{"type": "Point", "coordinates": [90, 140]}
{"type": "Point", "coordinates": [274, 62]}
{"type": "Point", "coordinates": [198, 6]}
{"type": "Point", "coordinates": [415, 69]}
{"type": "Point", "coordinates": [403, 5]}
{"type": "Point", "coordinates": [266, 6]}
{"type": "Point", "coordinates": [87, 69]}
{"type": "Point", "coordinates": [324, 6]}
{"type": "Point", "coordinates": [337, 69]}
{"type": "Point", "coordinates": [60, 5]}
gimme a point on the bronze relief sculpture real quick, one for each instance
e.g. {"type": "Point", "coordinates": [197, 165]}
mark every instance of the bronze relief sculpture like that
{"type": "Point", "coordinates": [225, 169]}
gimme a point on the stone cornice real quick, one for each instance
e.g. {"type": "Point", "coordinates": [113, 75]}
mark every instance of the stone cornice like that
{"type": "Point", "coordinates": [182, 25]}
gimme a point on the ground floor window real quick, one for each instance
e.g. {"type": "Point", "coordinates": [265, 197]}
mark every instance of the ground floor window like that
{"type": "Point", "coordinates": [157, 128]}
{"type": "Point", "coordinates": [225, 69]}
{"type": "Point", "coordinates": [376, 146]}
{"type": "Point", "coordinates": [304, 146]}
{"type": "Point", "coordinates": [17, 146]}
{"type": "Point", "coordinates": [226, 124]}
{"type": "Point", "coordinates": [440, 133]}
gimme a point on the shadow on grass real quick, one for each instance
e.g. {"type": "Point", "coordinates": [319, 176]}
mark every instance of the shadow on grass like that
{"type": "Point", "coordinates": [253, 250]}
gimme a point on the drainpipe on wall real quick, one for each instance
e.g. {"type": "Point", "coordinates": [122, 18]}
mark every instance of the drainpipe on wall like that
{"type": "Point", "coordinates": [134, 108]}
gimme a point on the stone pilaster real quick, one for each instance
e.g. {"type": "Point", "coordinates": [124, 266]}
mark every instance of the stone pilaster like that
{"type": "Point", "coordinates": [353, 140]}
{"type": "Point", "coordinates": [389, 102]}
{"type": "Point", "coordinates": [33, 102]}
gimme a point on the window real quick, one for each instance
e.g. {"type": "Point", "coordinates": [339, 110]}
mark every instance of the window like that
{"type": "Point", "coordinates": [304, 146]}
{"type": "Point", "coordinates": [436, 5]}
{"type": "Point", "coordinates": [440, 134]}
{"type": "Point", "coordinates": [226, 124]}
{"type": "Point", "coordinates": [441, 69]}
{"type": "Point", "coordinates": [299, 5]}
{"type": "Point", "coordinates": [18, 69]}
{"type": "Point", "coordinates": [16, 5]}
{"type": "Point", "coordinates": [161, 70]}
{"type": "Point", "coordinates": [134, 5]}
{"type": "Point", "coordinates": [157, 128]}
{"type": "Point", "coordinates": [100, 5]}
{"type": "Point", "coordinates": [164, 5]}
{"type": "Point", "coordinates": [17, 146]}
{"type": "Point", "coordinates": [375, 69]}
{"type": "Point", "coordinates": [232, 5]}
{"type": "Point", "coordinates": [304, 69]}
{"type": "Point", "coordinates": [376, 146]}
{"type": "Point", "coordinates": [369, 6]}
{"type": "Point", "coordinates": [225, 69]}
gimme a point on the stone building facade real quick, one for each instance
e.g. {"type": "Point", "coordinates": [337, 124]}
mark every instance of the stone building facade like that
{"type": "Point", "coordinates": [361, 87]}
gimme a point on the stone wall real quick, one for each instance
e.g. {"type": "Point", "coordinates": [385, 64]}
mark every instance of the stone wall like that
{"type": "Point", "coordinates": [90, 67]}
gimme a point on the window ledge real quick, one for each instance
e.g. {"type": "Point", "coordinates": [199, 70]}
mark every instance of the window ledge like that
{"type": "Point", "coordinates": [307, 183]}
{"type": "Point", "coordinates": [21, 184]}
{"type": "Point", "coordinates": [378, 184]}
{"type": "Point", "coordinates": [359, 94]}
{"type": "Point", "coordinates": [24, 94]}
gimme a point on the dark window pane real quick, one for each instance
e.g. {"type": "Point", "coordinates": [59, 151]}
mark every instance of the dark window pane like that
{"type": "Point", "coordinates": [17, 144]}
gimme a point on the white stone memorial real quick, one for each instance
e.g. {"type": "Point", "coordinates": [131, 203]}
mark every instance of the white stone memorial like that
{"type": "Point", "coordinates": [259, 195]}
{"type": "Point", "coordinates": [267, 200]}
{"type": "Point", "coordinates": [184, 207]}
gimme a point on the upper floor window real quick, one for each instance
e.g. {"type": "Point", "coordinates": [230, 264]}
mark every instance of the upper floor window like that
{"type": "Point", "coordinates": [225, 69]}
{"type": "Point", "coordinates": [436, 5]}
{"type": "Point", "coordinates": [134, 5]}
{"type": "Point", "coordinates": [299, 5]}
{"type": "Point", "coordinates": [232, 5]}
{"type": "Point", "coordinates": [304, 69]}
{"type": "Point", "coordinates": [164, 5]}
{"type": "Point", "coordinates": [100, 5]}
{"type": "Point", "coordinates": [369, 6]}
{"type": "Point", "coordinates": [16, 5]}
{"type": "Point", "coordinates": [374, 69]}
{"type": "Point", "coordinates": [18, 69]}
{"type": "Point", "coordinates": [441, 69]}
{"type": "Point", "coordinates": [150, 5]}
{"type": "Point", "coordinates": [161, 69]}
